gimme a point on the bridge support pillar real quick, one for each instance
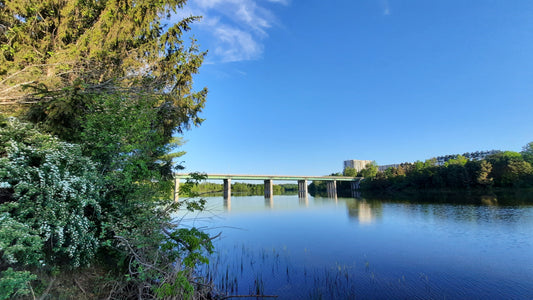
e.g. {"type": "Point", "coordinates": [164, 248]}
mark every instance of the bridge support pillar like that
{"type": "Point", "coordinates": [354, 188]}
{"type": "Point", "coordinates": [302, 188]}
{"type": "Point", "coordinates": [269, 188]}
{"type": "Point", "coordinates": [176, 189]}
{"type": "Point", "coordinates": [332, 189]}
{"type": "Point", "coordinates": [227, 188]}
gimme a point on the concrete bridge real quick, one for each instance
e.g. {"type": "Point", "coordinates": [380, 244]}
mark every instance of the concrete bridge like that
{"type": "Point", "coordinates": [268, 182]}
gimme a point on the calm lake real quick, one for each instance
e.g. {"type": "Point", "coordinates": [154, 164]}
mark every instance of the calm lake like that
{"type": "Point", "coordinates": [368, 248]}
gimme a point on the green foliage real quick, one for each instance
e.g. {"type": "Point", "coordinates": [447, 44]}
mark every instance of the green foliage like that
{"type": "Point", "coordinates": [162, 260]}
{"type": "Point", "coordinates": [480, 171]}
{"type": "Point", "coordinates": [349, 171]}
{"type": "Point", "coordinates": [56, 55]}
{"type": "Point", "coordinates": [237, 188]}
{"type": "Point", "coordinates": [460, 161]}
{"type": "Point", "coordinates": [114, 77]}
{"type": "Point", "coordinates": [370, 171]}
{"type": "Point", "coordinates": [19, 243]}
{"type": "Point", "coordinates": [509, 169]}
{"type": "Point", "coordinates": [122, 136]}
{"type": "Point", "coordinates": [53, 190]}
{"type": "Point", "coordinates": [193, 241]}
{"type": "Point", "coordinates": [49, 205]}
{"type": "Point", "coordinates": [15, 283]}
{"type": "Point", "coordinates": [180, 287]}
{"type": "Point", "coordinates": [501, 169]}
{"type": "Point", "coordinates": [318, 188]}
{"type": "Point", "coordinates": [136, 162]}
{"type": "Point", "coordinates": [527, 152]}
{"type": "Point", "coordinates": [254, 189]}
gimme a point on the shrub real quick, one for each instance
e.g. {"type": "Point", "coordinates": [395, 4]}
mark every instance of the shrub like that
{"type": "Point", "coordinates": [51, 193]}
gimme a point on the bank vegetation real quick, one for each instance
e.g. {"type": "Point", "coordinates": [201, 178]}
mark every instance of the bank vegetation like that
{"type": "Point", "coordinates": [93, 97]}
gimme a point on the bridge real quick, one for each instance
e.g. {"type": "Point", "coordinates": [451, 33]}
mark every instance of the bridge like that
{"type": "Point", "coordinates": [268, 182]}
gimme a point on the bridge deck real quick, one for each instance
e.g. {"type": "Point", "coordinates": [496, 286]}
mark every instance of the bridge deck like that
{"type": "Point", "coordinates": [272, 177]}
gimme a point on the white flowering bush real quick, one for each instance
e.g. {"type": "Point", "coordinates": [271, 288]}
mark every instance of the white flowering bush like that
{"type": "Point", "coordinates": [49, 193]}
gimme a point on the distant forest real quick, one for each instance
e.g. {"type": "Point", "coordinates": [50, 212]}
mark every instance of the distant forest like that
{"type": "Point", "coordinates": [244, 189]}
{"type": "Point", "coordinates": [471, 170]}
{"type": "Point", "coordinates": [484, 170]}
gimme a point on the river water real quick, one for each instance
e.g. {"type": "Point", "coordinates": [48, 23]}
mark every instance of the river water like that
{"type": "Point", "coordinates": [369, 248]}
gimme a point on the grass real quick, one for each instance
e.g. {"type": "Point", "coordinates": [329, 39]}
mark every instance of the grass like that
{"type": "Point", "coordinates": [244, 270]}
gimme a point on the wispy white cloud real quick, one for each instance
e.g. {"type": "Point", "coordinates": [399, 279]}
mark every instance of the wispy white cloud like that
{"type": "Point", "coordinates": [235, 45]}
{"type": "Point", "coordinates": [235, 28]}
{"type": "Point", "coordinates": [284, 2]}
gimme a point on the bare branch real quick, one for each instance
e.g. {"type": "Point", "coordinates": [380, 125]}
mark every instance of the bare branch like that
{"type": "Point", "coordinates": [15, 86]}
{"type": "Point", "coordinates": [30, 67]}
{"type": "Point", "coordinates": [45, 293]}
{"type": "Point", "coordinates": [79, 286]}
{"type": "Point", "coordinates": [137, 256]}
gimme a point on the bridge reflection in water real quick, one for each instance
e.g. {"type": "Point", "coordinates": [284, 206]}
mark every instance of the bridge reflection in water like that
{"type": "Point", "coordinates": [359, 210]}
{"type": "Point", "coordinates": [331, 182]}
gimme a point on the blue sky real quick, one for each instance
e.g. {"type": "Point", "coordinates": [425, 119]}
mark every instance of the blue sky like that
{"type": "Point", "coordinates": [297, 87]}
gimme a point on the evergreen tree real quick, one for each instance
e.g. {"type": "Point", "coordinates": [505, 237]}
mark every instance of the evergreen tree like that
{"type": "Point", "coordinates": [56, 55]}
{"type": "Point", "coordinates": [527, 152]}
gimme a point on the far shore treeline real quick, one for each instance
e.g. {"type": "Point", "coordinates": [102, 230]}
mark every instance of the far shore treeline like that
{"type": "Point", "coordinates": [500, 169]}
{"type": "Point", "coordinates": [469, 171]}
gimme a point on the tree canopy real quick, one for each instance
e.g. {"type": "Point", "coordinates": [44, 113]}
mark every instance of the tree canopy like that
{"type": "Point", "coordinates": [370, 171]}
{"type": "Point", "coordinates": [491, 168]}
{"type": "Point", "coordinates": [109, 83]}
{"type": "Point", "coordinates": [56, 54]}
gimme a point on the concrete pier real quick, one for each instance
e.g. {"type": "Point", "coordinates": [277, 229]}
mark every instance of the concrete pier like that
{"type": "Point", "coordinates": [176, 189]}
{"type": "Point", "coordinates": [227, 188]}
{"type": "Point", "coordinates": [269, 188]}
{"type": "Point", "coordinates": [302, 188]}
{"type": "Point", "coordinates": [354, 185]}
{"type": "Point", "coordinates": [332, 189]}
